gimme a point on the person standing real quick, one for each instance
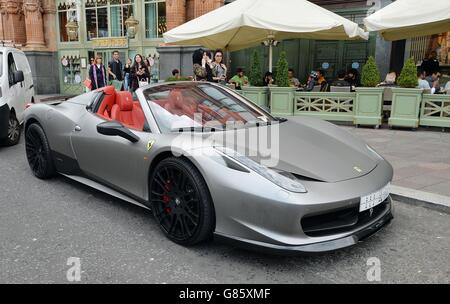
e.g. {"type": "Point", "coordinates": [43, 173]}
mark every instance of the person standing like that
{"type": "Point", "coordinates": [201, 66]}
{"type": "Point", "coordinates": [98, 74]}
{"type": "Point", "coordinates": [138, 73]}
{"type": "Point", "coordinates": [115, 67]}
{"type": "Point", "coordinates": [430, 64]}
{"type": "Point", "coordinates": [126, 71]}
{"type": "Point", "coordinates": [218, 68]}
{"type": "Point", "coordinates": [149, 68]}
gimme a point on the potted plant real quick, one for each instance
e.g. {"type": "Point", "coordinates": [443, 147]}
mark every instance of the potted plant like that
{"type": "Point", "coordinates": [282, 95]}
{"type": "Point", "coordinates": [407, 98]}
{"type": "Point", "coordinates": [256, 92]}
{"type": "Point", "coordinates": [369, 97]}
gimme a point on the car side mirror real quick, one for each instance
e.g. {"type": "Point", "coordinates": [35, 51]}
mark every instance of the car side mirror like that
{"type": "Point", "coordinates": [113, 128]}
{"type": "Point", "coordinates": [18, 77]}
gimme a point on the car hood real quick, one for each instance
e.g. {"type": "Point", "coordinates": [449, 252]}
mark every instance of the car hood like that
{"type": "Point", "coordinates": [309, 148]}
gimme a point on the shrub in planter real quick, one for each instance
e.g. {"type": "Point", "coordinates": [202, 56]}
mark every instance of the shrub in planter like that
{"type": "Point", "coordinates": [369, 99]}
{"type": "Point", "coordinates": [256, 92]}
{"type": "Point", "coordinates": [255, 76]}
{"type": "Point", "coordinates": [282, 78]}
{"type": "Point", "coordinates": [370, 75]}
{"type": "Point", "coordinates": [282, 96]}
{"type": "Point", "coordinates": [406, 100]}
{"type": "Point", "coordinates": [408, 76]}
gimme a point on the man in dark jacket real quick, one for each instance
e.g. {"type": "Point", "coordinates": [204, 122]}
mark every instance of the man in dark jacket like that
{"type": "Point", "coordinates": [430, 65]}
{"type": "Point", "coordinates": [340, 82]}
{"type": "Point", "coordinates": [115, 67]}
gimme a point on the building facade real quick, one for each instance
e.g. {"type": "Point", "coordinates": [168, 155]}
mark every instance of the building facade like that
{"type": "Point", "coordinates": [61, 36]}
{"type": "Point", "coordinates": [30, 25]}
{"type": "Point", "coordinates": [101, 28]}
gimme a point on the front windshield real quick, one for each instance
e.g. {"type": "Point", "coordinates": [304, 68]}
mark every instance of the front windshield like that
{"type": "Point", "coordinates": [194, 105]}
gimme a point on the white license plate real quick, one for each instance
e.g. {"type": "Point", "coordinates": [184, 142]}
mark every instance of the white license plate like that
{"type": "Point", "coordinates": [373, 199]}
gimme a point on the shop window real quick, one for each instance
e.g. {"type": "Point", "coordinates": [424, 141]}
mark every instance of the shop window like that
{"type": "Point", "coordinates": [155, 18]}
{"type": "Point", "coordinates": [421, 47]}
{"type": "Point", "coordinates": [67, 12]}
{"type": "Point", "coordinates": [107, 18]}
{"type": "Point", "coordinates": [71, 69]}
{"type": "Point", "coordinates": [96, 19]}
{"type": "Point", "coordinates": [119, 12]}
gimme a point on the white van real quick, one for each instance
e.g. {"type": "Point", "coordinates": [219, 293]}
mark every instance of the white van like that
{"type": "Point", "coordinates": [16, 91]}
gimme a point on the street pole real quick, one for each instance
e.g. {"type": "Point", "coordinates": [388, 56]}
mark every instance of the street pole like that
{"type": "Point", "coordinates": [270, 56]}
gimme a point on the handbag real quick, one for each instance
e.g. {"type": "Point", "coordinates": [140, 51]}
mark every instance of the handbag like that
{"type": "Point", "coordinates": [199, 71]}
{"type": "Point", "coordinates": [143, 82]}
{"type": "Point", "coordinates": [87, 83]}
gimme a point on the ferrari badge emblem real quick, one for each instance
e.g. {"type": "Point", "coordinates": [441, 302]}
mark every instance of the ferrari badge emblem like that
{"type": "Point", "coordinates": [357, 169]}
{"type": "Point", "coordinates": [150, 144]}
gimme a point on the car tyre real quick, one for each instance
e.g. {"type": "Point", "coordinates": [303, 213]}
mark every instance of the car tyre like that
{"type": "Point", "coordinates": [38, 152]}
{"type": "Point", "coordinates": [14, 130]}
{"type": "Point", "coordinates": [181, 202]}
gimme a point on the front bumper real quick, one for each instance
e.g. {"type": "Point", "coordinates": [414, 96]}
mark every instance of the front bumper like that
{"type": "Point", "coordinates": [376, 224]}
{"type": "Point", "coordinates": [4, 121]}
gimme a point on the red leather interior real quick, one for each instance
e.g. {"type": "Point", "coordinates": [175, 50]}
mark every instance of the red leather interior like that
{"type": "Point", "coordinates": [127, 112]}
{"type": "Point", "coordinates": [179, 105]}
{"type": "Point", "coordinates": [108, 101]}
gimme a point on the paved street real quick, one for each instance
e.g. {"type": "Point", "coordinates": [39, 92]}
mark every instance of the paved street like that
{"type": "Point", "coordinates": [421, 159]}
{"type": "Point", "coordinates": [43, 223]}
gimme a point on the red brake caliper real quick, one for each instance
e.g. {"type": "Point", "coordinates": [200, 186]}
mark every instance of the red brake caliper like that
{"type": "Point", "coordinates": [166, 197]}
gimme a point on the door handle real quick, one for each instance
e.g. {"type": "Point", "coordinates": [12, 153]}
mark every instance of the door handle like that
{"type": "Point", "coordinates": [77, 128]}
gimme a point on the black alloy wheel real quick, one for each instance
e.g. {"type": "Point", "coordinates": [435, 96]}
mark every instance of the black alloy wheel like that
{"type": "Point", "coordinates": [181, 202]}
{"type": "Point", "coordinates": [38, 152]}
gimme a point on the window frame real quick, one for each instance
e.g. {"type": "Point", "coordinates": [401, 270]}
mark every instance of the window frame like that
{"type": "Point", "coordinates": [156, 2]}
{"type": "Point", "coordinates": [66, 11]}
{"type": "Point", "coordinates": [11, 76]}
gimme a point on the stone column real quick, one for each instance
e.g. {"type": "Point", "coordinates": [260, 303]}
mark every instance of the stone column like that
{"type": "Point", "coordinates": [13, 21]}
{"type": "Point", "coordinates": [49, 17]}
{"type": "Point", "coordinates": [2, 16]}
{"type": "Point", "coordinates": [176, 13]}
{"type": "Point", "coordinates": [34, 24]}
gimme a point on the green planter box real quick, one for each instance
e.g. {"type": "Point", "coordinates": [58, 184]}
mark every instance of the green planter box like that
{"type": "Point", "coordinates": [282, 101]}
{"type": "Point", "coordinates": [259, 95]}
{"type": "Point", "coordinates": [405, 107]}
{"type": "Point", "coordinates": [369, 106]}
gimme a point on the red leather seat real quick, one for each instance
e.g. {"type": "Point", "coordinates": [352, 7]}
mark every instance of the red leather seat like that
{"type": "Point", "coordinates": [179, 105]}
{"type": "Point", "coordinates": [108, 101]}
{"type": "Point", "coordinates": [126, 112]}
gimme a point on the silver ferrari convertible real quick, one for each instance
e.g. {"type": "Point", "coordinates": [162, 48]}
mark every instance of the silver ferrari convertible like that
{"type": "Point", "coordinates": [209, 162]}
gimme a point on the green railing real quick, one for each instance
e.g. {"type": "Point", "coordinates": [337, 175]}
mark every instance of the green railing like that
{"type": "Point", "coordinates": [435, 111]}
{"type": "Point", "coordinates": [325, 105]}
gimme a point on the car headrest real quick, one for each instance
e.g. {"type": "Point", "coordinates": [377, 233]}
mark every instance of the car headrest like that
{"type": "Point", "coordinates": [124, 100]}
{"type": "Point", "coordinates": [108, 90]}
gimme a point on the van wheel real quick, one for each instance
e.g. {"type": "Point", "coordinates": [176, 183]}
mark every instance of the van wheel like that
{"type": "Point", "coordinates": [14, 129]}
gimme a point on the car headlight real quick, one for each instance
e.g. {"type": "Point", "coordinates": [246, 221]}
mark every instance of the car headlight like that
{"type": "Point", "coordinates": [283, 179]}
